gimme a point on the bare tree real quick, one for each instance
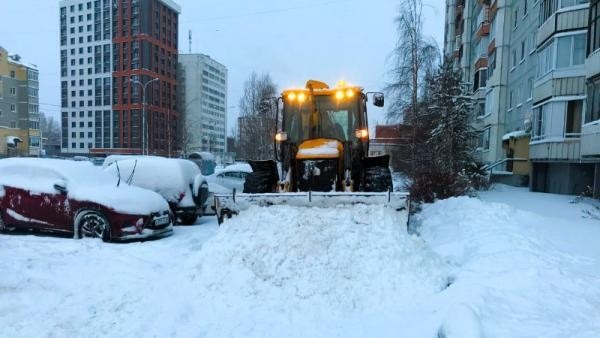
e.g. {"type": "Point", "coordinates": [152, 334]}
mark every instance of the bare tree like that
{"type": "Point", "coordinates": [415, 56]}
{"type": "Point", "coordinates": [256, 124]}
{"type": "Point", "coordinates": [51, 129]}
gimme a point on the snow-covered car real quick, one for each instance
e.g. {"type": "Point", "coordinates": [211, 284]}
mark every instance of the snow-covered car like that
{"type": "Point", "coordinates": [178, 181]}
{"type": "Point", "coordinates": [230, 177]}
{"type": "Point", "coordinates": [77, 198]}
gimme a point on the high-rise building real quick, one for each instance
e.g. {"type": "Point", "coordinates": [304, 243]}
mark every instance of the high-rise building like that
{"type": "Point", "coordinates": [204, 104]}
{"type": "Point", "coordinates": [119, 76]}
{"type": "Point", "coordinates": [19, 107]}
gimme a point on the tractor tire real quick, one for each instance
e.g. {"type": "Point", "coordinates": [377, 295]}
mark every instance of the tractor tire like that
{"type": "Point", "coordinates": [377, 179]}
{"type": "Point", "coordinates": [258, 182]}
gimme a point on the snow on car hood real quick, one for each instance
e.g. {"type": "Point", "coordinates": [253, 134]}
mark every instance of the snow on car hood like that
{"type": "Point", "coordinates": [168, 177]}
{"type": "Point", "coordinates": [83, 181]}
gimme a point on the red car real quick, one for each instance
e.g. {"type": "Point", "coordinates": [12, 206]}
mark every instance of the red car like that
{"type": "Point", "coordinates": [77, 198]}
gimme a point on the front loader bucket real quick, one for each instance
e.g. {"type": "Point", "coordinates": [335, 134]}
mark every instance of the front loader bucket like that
{"type": "Point", "coordinates": [227, 205]}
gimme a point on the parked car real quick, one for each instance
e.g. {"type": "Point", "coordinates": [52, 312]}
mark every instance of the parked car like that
{"type": "Point", "coordinates": [224, 181]}
{"type": "Point", "coordinates": [77, 198]}
{"type": "Point", "coordinates": [231, 177]}
{"type": "Point", "coordinates": [179, 181]}
{"type": "Point", "coordinates": [205, 161]}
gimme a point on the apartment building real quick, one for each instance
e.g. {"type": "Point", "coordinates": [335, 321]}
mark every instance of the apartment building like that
{"type": "Point", "coordinates": [204, 103]}
{"type": "Point", "coordinates": [559, 97]}
{"type": "Point", "coordinates": [590, 131]}
{"type": "Point", "coordinates": [118, 76]}
{"type": "Point", "coordinates": [19, 107]}
{"type": "Point", "coordinates": [536, 89]}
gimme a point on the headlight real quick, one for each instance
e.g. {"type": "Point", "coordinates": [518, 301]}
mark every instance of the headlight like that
{"type": "Point", "coordinates": [339, 94]}
{"type": "Point", "coordinates": [301, 97]}
{"type": "Point", "coordinates": [291, 96]}
{"type": "Point", "coordinates": [281, 136]}
{"type": "Point", "coordinates": [362, 133]}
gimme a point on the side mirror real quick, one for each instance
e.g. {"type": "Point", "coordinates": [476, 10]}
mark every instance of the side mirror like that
{"type": "Point", "coordinates": [61, 188]}
{"type": "Point", "coordinates": [378, 100]}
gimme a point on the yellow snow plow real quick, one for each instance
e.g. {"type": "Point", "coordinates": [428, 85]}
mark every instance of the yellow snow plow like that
{"type": "Point", "coordinates": [320, 158]}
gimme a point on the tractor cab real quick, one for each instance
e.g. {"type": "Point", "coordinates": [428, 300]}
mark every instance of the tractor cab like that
{"type": "Point", "coordinates": [323, 137]}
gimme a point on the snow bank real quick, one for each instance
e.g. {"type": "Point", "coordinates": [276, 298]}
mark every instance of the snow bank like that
{"type": "Point", "coordinates": [294, 271]}
{"type": "Point", "coordinates": [513, 281]}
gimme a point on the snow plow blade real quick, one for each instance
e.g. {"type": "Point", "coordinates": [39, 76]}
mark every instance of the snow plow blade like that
{"type": "Point", "coordinates": [228, 205]}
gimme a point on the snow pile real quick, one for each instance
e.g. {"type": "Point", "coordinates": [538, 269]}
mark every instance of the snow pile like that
{"type": "Point", "coordinates": [514, 282]}
{"type": "Point", "coordinates": [270, 271]}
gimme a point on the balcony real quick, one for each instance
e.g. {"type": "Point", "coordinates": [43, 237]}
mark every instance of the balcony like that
{"type": "Point", "coordinates": [564, 20]}
{"type": "Point", "coordinates": [459, 11]}
{"type": "Point", "coordinates": [590, 140]}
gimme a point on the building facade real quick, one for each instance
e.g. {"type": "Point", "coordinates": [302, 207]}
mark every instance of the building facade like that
{"type": "Point", "coordinates": [204, 103]}
{"type": "Point", "coordinates": [534, 125]}
{"type": "Point", "coordinates": [19, 107]}
{"type": "Point", "coordinates": [119, 76]}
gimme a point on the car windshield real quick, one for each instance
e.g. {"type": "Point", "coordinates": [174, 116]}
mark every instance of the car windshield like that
{"type": "Point", "coordinates": [332, 119]}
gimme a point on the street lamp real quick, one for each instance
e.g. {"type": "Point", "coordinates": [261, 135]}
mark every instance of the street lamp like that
{"type": "Point", "coordinates": [144, 117]}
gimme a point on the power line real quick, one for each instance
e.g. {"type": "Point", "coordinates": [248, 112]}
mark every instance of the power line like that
{"type": "Point", "coordinates": [270, 11]}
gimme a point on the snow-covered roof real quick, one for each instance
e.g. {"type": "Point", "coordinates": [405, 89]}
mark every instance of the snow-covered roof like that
{"type": "Point", "coordinates": [12, 140]}
{"type": "Point", "coordinates": [18, 60]}
{"type": "Point", "coordinates": [514, 134]}
{"type": "Point", "coordinates": [243, 167]}
{"type": "Point", "coordinates": [205, 155]}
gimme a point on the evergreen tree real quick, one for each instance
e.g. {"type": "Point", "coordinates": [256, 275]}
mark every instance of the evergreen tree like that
{"type": "Point", "coordinates": [444, 138]}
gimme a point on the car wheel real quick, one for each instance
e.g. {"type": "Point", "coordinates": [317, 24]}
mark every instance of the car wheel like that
{"type": "Point", "coordinates": [94, 224]}
{"type": "Point", "coordinates": [188, 219]}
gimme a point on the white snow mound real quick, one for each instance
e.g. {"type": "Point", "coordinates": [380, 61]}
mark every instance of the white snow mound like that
{"type": "Point", "coordinates": [269, 269]}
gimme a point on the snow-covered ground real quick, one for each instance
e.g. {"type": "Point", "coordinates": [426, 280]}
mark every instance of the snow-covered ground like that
{"type": "Point", "coordinates": [509, 264]}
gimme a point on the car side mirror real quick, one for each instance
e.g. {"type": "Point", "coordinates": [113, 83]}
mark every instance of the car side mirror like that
{"type": "Point", "coordinates": [378, 100]}
{"type": "Point", "coordinates": [61, 188]}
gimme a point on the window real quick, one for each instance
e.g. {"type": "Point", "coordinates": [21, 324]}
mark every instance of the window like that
{"type": "Point", "coordinates": [546, 59]}
{"type": "Point", "coordinates": [522, 51]}
{"type": "Point", "coordinates": [593, 101]}
{"type": "Point", "coordinates": [13, 124]}
{"type": "Point", "coordinates": [594, 27]}
{"type": "Point", "coordinates": [13, 91]}
{"type": "Point", "coordinates": [73, 134]}
{"type": "Point", "coordinates": [81, 145]}
{"type": "Point", "coordinates": [525, 5]}
{"type": "Point", "coordinates": [480, 79]}
{"type": "Point", "coordinates": [557, 119]}
{"type": "Point", "coordinates": [514, 59]}
{"type": "Point", "coordinates": [516, 18]}
{"type": "Point", "coordinates": [73, 145]}
{"type": "Point", "coordinates": [13, 107]}
{"type": "Point", "coordinates": [510, 100]}
{"type": "Point", "coordinates": [529, 89]}
{"type": "Point", "coordinates": [484, 140]}
{"type": "Point", "coordinates": [573, 120]}
{"type": "Point", "coordinates": [12, 74]}
{"type": "Point", "coordinates": [574, 45]}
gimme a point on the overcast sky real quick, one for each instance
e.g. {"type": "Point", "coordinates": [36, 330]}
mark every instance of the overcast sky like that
{"type": "Point", "coordinates": [293, 40]}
